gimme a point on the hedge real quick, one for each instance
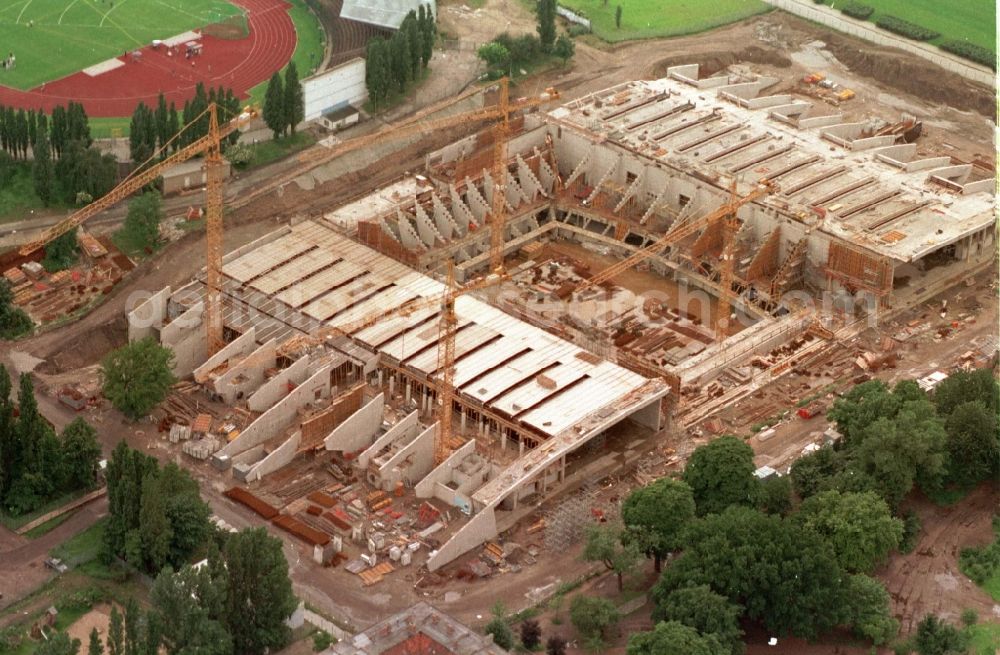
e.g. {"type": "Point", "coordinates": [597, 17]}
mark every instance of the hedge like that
{"type": "Point", "coordinates": [975, 53]}
{"type": "Point", "coordinates": [906, 28]}
{"type": "Point", "coordinates": [857, 10]}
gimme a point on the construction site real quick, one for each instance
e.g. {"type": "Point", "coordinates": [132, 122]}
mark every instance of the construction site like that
{"type": "Point", "coordinates": [400, 380]}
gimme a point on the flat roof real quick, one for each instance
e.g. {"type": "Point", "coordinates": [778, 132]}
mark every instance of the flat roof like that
{"type": "Point", "coordinates": [307, 276]}
{"type": "Point", "coordinates": [839, 175]}
{"type": "Point", "coordinates": [384, 13]}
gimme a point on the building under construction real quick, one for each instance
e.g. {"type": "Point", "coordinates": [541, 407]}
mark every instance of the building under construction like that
{"type": "Point", "coordinates": [333, 324]}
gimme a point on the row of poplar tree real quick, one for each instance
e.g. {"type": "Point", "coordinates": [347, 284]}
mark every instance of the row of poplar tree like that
{"type": "Point", "coordinates": [152, 128]}
{"type": "Point", "coordinates": [19, 129]}
{"type": "Point", "coordinates": [393, 63]}
{"type": "Point", "coordinates": [284, 102]}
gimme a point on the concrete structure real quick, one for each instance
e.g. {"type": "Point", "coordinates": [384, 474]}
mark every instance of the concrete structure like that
{"type": "Point", "coordinates": [858, 209]}
{"type": "Point", "coordinates": [188, 175]}
{"type": "Point", "coordinates": [420, 629]}
{"type": "Point", "coordinates": [335, 89]}
{"type": "Point", "coordinates": [383, 13]}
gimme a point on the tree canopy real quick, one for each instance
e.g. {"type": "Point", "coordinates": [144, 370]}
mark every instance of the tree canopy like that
{"type": "Point", "coordinates": [137, 376]}
{"type": "Point", "coordinates": [655, 515]}
{"type": "Point", "coordinates": [707, 612]}
{"type": "Point", "coordinates": [859, 526]}
{"type": "Point", "coordinates": [61, 252]}
{"type": "Point", "coordinates": [604, 544]}
{"type": "Point", "coordinates": [673, 638]}
{"type": "Point", "coordinates": [14, 322]}
{"type": "Point", "coordinates": [720, 474]}
{"type": "Point", "coordinates": [593, 616]}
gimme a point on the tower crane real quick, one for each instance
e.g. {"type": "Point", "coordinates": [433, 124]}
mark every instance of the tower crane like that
{"type": "Point", "coordinates": [674, 235]}
{"type": "Point", "coordinates": [211, 146]}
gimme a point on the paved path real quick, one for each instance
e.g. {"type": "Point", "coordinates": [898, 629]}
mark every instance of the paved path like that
{"type": "Point", "coordinates": [870, 32]}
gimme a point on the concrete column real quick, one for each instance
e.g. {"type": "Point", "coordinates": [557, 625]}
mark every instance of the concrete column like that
{"type": "Point", "coordinates": [503, 443]}
{"type": "Point", "coordinates": [520, 449]}
{"type": "Point", "coordinates": [380, 378]}
{"type": "Point", "coordinates": [392, 385]}
{"type": "Point", "coordinates": [461, 413]}
{"type": "Point", "coordinates": [408, 385]}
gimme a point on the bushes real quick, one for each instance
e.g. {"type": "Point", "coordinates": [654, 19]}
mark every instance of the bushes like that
{"type": "Point", "coordinates": [857, 10]}
{"type": "Point", "coordinates": [975, 53]}
{"type": "Point", "coordinates": [906, 28]}
{"type": "Point", "coordinates": [578, 30]}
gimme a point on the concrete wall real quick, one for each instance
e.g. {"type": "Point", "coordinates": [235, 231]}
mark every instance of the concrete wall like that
{"type": "Point", "coordinates": [186, 337]}
{"type": "Point", "coordinates": [274, 389]}
{"type": "Point", "coordinates": [359, 428]}
{"type": "Point", "coordinates": [404, 428]}
{"type": "Point", "coordinates": [238, 347]}
{"type": "Point", "coordinates": [480, 528]}
{"type": "Point", "coordinates": [443, 472]}
{"type": "Point", "coordinates": [278, 418]}
{"type": "Point", "coordinates": [335, 88]}
{"type": "Point", "coordinates": [147, 317]}
{"type": "Point", "coordinates": [412, 462]}
{"type": "Point", "coordinates": [281, 456]}
{"type": "Point", "coordinates": [251, 370]}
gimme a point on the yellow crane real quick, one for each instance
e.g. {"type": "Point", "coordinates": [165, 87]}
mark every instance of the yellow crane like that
{"type": "Point", "coordinates": [211, 146]}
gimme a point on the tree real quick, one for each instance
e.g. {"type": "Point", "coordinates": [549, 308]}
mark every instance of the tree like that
{"type": "Point", "coordinates": [973, 442]}
{"type": "Point", "coordinates": [294, 107]}
{"type": "Point", "coordinates": [95, 647]}
{"type": "Point", "coordinates": [416, 41]}
{"type": "Point", "coordinates": [859, 526]}
{"type": "Point", "coordinates": [935, 637]}
{"type": "Point", "coordinates": [555, 645]}
{"type": "Point", "coordinates": [546, 27]}
{"type": "Point", "coordinates": [785, 576]}
{"type": "Point", "coordinates": [174, 126]}
{"type": "Point", "coordinates": [188, 627]}
{"type": "Point", "coordinates": [14, 322]}
{"type": "Point", "coordinates": [593, 617]}
{"type": "Point", "coordinates": [59, 644]}
{"type": "Point", "coordinates": [618, 17]}
{"type": "Point", "coordinates": [673, 638]}
{"type": "Point", "coordinates": [116, 633]}
{"type": "Point", "coordinates": [531, 634]}
{"type": "Point", "coordinates": [604, 544]}
{"type": "Point", "coordinates": [141, 230]}
{"type": "Point", "coordinates": [776, 495]}
{"type": "Point", "coordinates": [868, 609]}
{"type": "Point", "coordinates": [186, 512]}
{"type": "Point", "coordinates": [155, 532]}
{"type": "Point", "coordinates": [499, 629]}
{"type": "Point", "coordinates": [42, 170]}
{"type": "Point", "coordinates": [862, 406]}
{"type": "Point", "coordinates": [133, 620]}
{"type": "Point", "coordinates": [428, 33]}
{"type": "Point", "coordinates": [654, 516]}
{"type": "Point", "coordinates": [162, 121]}
{"type": "Point", "coordinates": [707, 612]}
{"type": "Point", "coordinates": [965, 386]}
{"type": "Point", "coordinates": [81, 454]}
{"type": "Point", "coordinates": [61, 252]}
{"type": "Point", "coordinates": [898, 453]}
{"type": "Point", "coordinates": [274, 106]}
{"type": "Point", "coordinates": [720, 473]}
{"type": "Point", "coordinates": [564, 48]}
{"type": "Point", "coordinates": [495, 55]}
{"type": "Point", "coordinates": [816, 471]}
{"type": "Point", "coordinates": [258, 579]}
{"type": "Point", "coordinates": [400, 59]}
{"type": "Point", "coordinates": [142, 134]}
{"type": "Point", "coordinates": [137, 376]}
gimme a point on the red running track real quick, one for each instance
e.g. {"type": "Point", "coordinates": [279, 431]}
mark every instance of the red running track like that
{"type": "Point", "coordinates": [237, 64]}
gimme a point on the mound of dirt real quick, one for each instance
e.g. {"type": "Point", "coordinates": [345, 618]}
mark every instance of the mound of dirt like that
{"type": "Point", "coordinates": [905, 72]}
{"type": "Point", "coordinates": [712, 62]}
{"type": "Point", "coordinates": [85, 347]}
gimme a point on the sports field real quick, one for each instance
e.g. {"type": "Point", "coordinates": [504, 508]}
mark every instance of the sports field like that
{"type": "Point", "coordinates": [644, 19]}
{"type": "Point", "coordinates": [963, 20]}
{"type": "Point", "coordinates": [54, 38]}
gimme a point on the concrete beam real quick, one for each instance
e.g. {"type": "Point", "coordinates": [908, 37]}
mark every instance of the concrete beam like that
{"type": "Point", "coordinates": [251, 369]}
{"type": "Point", "coordinates": [420, 456]}
{"type": "Point", "coordinates": [238, 347]}
{"type": "Point", "coordinates": [281, 456]}
{"type": "Point", "coordinates": [481, 528]}
{"type": "Point", "coordinates": [186, 337]}
{"type": "Point", "coordinates": [275, 389]}
{"type": "Point", "coordinates": [404, 428]}
{"type": "Point", "coordinates": [358, 430]}
{"type": "Point", "coordinates": [442, 473]}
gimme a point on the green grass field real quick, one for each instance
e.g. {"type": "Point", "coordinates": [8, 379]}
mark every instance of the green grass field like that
{"type": "Point", "coordinates": [964, 20]}
{"type": "Point", "coordinates": [644, 19]}
{"type": "Point", "coordinates": [54, 38]}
